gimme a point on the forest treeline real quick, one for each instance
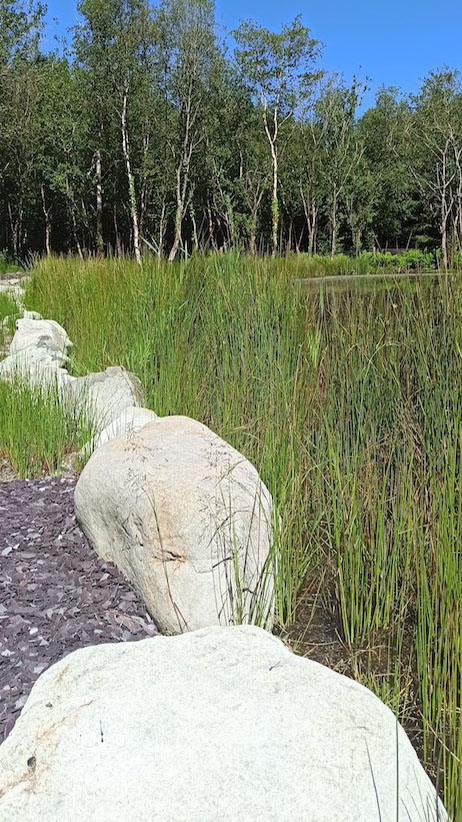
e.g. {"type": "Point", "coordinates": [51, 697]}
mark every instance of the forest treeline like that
{"type": "Point", "coordinates": [147, 129]}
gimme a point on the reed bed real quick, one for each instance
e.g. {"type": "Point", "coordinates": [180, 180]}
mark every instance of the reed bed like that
{"type": "Point", "coordinates": [350, 406]}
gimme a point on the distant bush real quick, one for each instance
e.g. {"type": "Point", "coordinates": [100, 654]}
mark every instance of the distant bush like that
{"type": "Point", "coordinates": [412, 260]}
{"type": "Point", "coordinates": [6, 264]}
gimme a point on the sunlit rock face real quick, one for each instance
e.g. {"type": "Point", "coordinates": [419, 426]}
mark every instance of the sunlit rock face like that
{"type": "Point", "coordinates": [187, 520]}
{"type": "Point", "coordinates": [222, 724]}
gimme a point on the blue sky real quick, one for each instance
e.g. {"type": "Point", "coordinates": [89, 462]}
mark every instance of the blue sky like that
{"type": "Point", "coordinates": [394, 43]}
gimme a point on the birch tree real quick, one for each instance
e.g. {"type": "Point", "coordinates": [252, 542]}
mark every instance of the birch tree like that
{"type": "Point", "coordinates": [185, 41]}
{"type": "Point", "coordinates": [437, 166]}
{"type": "Point", "coordinates": [342, 149]}
{"type": "Point", "coordinates": [279, 71]}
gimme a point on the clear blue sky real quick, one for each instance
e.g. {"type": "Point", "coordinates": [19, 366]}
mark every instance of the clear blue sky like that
{"type": "Point", "coordinates": [394, 43]}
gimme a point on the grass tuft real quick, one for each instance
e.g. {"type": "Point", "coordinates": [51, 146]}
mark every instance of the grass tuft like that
{"type": "Point", "coordinates": [36, 435]}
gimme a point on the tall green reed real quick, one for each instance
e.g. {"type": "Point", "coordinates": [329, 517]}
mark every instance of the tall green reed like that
{"type": "Point", "coordinates": [349, 405]}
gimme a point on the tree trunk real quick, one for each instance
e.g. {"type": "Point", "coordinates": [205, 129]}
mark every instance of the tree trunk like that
{"type": "Point", "coordinates": [144, 187]}
{"type": "Point", "coordinates": [274, 204]}
{"type": "Point", "coordinates": [99, 205]}
{"type": "Point", "coordinates": [131, 181]}
{"type": "Point", "coordinates": [118, 243]}
{"type": "Point", "coordinates": [177, 238]}
{"type": "Point", "coordinates": [333, 248]}
{"type": "Point", "coordinates": [181, 188]}
{"type": "Point", "coordinates": [162, 226]}
{"type": "Point", "coordinates": [194, 225]}
{"type": "Point", "coordinates": [444, 244]}
{"type": "Point", "coordinates": [253, 233]}
{"type": "Point", "coordinates": [210, 221]}
{"type": "Point", "coordinates": [46, 214]}
{"type": "Point", "coordinates": [311, 217]}
{"type": "Point", "coordinates": [74, 232]}
{"type": "Point", "coordinates": [312, 236]}
{"type": "Point", "coordinates": [289, 238]}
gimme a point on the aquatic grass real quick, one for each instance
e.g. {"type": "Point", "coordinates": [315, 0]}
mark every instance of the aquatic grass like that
{"type": "Point", "coordinates": [8, 305]}
{"type": "Point", "coordinates": [36, 432]}
{"type": "Point", "coordinates": [8, 309]}
{"type": "Point", "coordinates": [350, 406]}
{"type": "Point", "coordinates": [7, 266]}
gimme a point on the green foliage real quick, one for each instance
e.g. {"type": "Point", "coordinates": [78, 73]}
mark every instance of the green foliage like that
{"type": "Point", "coordinates": [8, 308]}
{"type": "Point", "coordinates": [7, 266]}
{"type": "Point", "coordinates": [145, 132]}
{"type": "Point", "coordinates": [20, 27]}
{"type": "Point", "coordinates": [349, 405]}
{"type": "Point", "coordinates": [7, 305]}
{"type": "Point", "coordinates": [278, 69]}
{"type": "Point", "coordinates": [278, 66]}
{"type": "Point", "coordinates": [413, 260]}
{"type": "Point", "coordinates": [368, 262]}
{"type": "Point", "coordinates": [35, 434]}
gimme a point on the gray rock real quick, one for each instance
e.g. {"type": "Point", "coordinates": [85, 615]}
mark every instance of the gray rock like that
{"type": "Point", "coordinates": [32, 315]}
{"type": "Point", "coordinates": [14, 289]}
{"type": "Point", "coordinates": [33, 333]}
{"type": "Point", "coordinates": [37, 353]}
{"type": "Point", "coordinates": [37, 366]}
{"type": "Point", "coordinates": [187, 520]}
{"type": "Point", "coordinates": [223, 724]}
{"type": "Point", "coordinates": [131, 420]}
{"type": "Point", "coordinates": [104, 395]}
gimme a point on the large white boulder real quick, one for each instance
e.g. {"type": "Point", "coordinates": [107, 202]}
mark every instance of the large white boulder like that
{"type": "Point", "coordinates": [104, 395]}
{"type": "Point", "coordinates": [14, 289]}
{"type": "Point", "coordinates": [32, 315]}
{"type": "Point", "coordinates": [131, 420]}
{"type": "Point", "coordinates": [37, 353]}
{"type": "Point", "coordinates": [223, 724]}
{"type": "Point", "coordinates": [187, 520]}
{"type": "Point", "coordinates": [34, 337]}
{"type": "Point", "coordinates": [36, 366]}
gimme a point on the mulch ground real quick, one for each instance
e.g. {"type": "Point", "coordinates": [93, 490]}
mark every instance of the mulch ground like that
{"type": "Point", "coordinates": [55, 594]}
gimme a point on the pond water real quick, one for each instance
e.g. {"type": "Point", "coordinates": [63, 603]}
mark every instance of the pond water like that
{"type": "Point", "coordinates": [371, 282]}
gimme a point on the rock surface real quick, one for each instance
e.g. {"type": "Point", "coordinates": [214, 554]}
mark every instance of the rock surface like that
{"type": "Point", "coordinates": [38, 353]}
{"type": "Point", "coordinates": [186, 519]}
{"type": "Point", "coordinates": [222, 724]}
{"type": "Point", "coordinates": [105, 395]}
{"type": "Point", "coordinates": [41, 334]}
{"type": "Point", "coordinates": [38, 366]}
{"type": "Point", "coordinates": [14, 287]}
{"type": "Point", "coordinates": [131, 420]}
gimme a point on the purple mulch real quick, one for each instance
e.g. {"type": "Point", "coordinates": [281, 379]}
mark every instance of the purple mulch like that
{"type": "Point", "coordinates": [56, 595]}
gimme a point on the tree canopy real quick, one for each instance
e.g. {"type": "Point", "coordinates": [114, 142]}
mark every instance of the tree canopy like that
{"type": "Point", "coordinates": [146, 131]}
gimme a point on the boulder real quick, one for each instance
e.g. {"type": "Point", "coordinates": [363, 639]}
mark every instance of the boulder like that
{"type": "Point", "coordinates": [14, 289]}
{"type": "Point", "coordinates": [37, 366]}
{"type": "Point", "coordinates": [223, 724]}
{"type": "Point", "coordinates": [104, 395]}
{"type": "Point", "coordinates": [32, 315]}
{"type": "Point", "coordinates": [36, 337]}
{"type": "Point", "coordinates": [27, 315]}
{"type": "Point", "coordinates": [131, 420]}
{"type": "Point", "coordinates": [186, 519]}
